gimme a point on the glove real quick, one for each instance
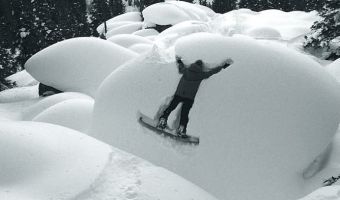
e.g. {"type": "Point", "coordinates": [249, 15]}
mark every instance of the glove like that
{"type": "Point", "coordinates": [178, 59]}
{"type": "Point", "coordinates": [227, 63]}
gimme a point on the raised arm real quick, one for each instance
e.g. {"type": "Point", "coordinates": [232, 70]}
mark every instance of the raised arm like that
{"type": "Point", "coordinates": [215, 70]}
{"type": "Point", "coordinates": [180, 64]}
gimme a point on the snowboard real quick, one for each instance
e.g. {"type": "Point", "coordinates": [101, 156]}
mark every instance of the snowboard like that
{"type": "Point", "coordinates": [151, 124]}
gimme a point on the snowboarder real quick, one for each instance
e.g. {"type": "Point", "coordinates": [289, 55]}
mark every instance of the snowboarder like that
{"type": "Point", "coordinates": [186, 91]}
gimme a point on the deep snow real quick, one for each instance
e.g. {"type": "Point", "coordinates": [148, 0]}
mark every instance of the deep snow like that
{"type": "Point", "coordinates": [265, 123]}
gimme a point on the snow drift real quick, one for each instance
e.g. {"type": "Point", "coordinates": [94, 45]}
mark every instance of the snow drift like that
{"type": "Point", "coordinates": [40, 161]}
{"type": "Point", "coordinates": [260, 122]}
{"type": "Point", "coordinates": [125, 29]}
{"type": "Point", "coordinates": [127, 40]}
{"type": "Point", "coordinates": [78, 64]}
{"type": "Point", "coordinates": [44, 103]}
{"type": "Point", "coordinates": [126, 17]}
{"type": "Point", "coordinates": [75, 114]}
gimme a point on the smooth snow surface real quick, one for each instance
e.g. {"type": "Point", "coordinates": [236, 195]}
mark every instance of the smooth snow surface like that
{"type": "Point", "coordinates": [141, 48]}
{"type": "Point", "coordinates": [324, 193]}
{"type": "Point", "coordinates": [260, 122]}
{"type": "Point", "coordinates": [146, 32]}
{"type": "Point", "coordinates": [126, 17]}
{"type": "Point", "coordinates": [74, 113]}
{"type": "Point", "coordinates": [264, 33]}
{"type": "Point", "coordinates": [334, 69]}
{"type": "Point", "coordinates": [41, 161]}
{"type": "Point", "coordinates": [127, 40]}
{"type": "Point", "coordinates": [22, 79]}
{"type": "Point", "coordinates": [44, 103]}
{"type": "Point", "coordinates": [125, 29]}
{"type": "Point", "coordinates": [288, 24]}
{"type": "Point", "coordinates": [19, 94]}
{"type": "Point", "coordinates": [77, 65]}
{"type": "Point", "coordinates": [173, 12]}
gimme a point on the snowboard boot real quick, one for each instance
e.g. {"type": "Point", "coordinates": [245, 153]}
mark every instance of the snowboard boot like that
{"type": "Point", "coordinates": [181, 132]}
{"type": "Point", "coordinates": [162, 123]}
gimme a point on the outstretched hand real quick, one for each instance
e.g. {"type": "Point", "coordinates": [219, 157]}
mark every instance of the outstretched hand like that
{"type": "Point", "coordinates": [227, 63]}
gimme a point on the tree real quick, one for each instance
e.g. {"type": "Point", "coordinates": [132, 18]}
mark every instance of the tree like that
{"type": "Point", "coordinates": [325, 34]}
{"type": "Point", "coordinates": [223, 6]}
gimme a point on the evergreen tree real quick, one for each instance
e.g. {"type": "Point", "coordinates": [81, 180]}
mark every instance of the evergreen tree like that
{"type": "Point", "coordinates": [223, 6]}
{"type": "Point", "coordinates": [325, 34]}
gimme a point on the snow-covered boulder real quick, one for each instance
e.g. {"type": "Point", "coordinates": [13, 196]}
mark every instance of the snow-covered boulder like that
{"type": "Point", "coordinates": [260, 122]}
{"type": "Point", "coordinates": [126, 17]}
{"type": "Point", "coordinates": [32, 111]}
{"type": "Point", "coordinates": [74, 113]}
{"type": "Point", "coordinates": [19, 94]}
{"type": "Point", "coordinates": [78, 64]}
{"type": "Point", "coordinates": [127, 40]}
{"type": "Point", "coordinates": [146, 32]}
{"type": "Point", "coordinates": [125, 29]}
{"type": "Point", "coordinates": [164, 14]}
{"type": "Point", "coordinates": [41, 161]}
{"type": "Point", "coordinates": [264, 33]}
{"type": "Point", "coordinates": [22, 79]}
{"type": "Point", "coordinates": [334, 69]}
{"type": "Point", "coordinates": [141, 48]}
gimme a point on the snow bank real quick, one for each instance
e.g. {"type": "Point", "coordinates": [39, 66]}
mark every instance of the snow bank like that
{"type": "Point", "coordinates": [146, 32]}
{"type": "Point", "coordinates": [41, 161]}
{"type": "Point", "coordinates": [264, 33]}
{"type": "Point", "coordinates": [22, 78]}
{"type": "Point", "coordinates": [141, 48]}
{"type": "Point", "coordinates": [164, 14]}
{"type": "Point", "coordinates": [78, 64]}
{"type": "Point", "coordinates": [126, 40]}
{"type": "Point", "coordinates": [288, 24]}
{"type": "Point", "coordinates": [126, 17]}
{"type": "Point", "coordinates": [125, 29]}
{"type": "Point", "coordinates": [32, 111]}
{"type": "Point", "coordinates": [260, 122]}
{"type": "Point", "coordinates": [334, 69]}
{"type": "Point", "coordinates": [75, 114]}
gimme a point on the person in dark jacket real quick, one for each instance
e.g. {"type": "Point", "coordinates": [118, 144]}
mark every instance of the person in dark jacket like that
{"type": "Point", "coordinates": [186, 91]}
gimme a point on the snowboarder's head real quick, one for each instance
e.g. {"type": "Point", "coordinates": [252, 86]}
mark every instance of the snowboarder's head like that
{"type": "Point", "coordinates": [199, 62]}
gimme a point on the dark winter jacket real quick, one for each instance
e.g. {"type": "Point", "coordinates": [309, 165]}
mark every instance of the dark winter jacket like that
{"type": "Point", "coordinates": [192, 78]}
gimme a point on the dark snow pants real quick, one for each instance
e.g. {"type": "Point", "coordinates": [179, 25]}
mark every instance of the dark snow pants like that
{"type": "Point", "coordinates": [187, 104]}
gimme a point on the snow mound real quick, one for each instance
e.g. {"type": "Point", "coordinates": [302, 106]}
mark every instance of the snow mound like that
{"type": "Point", "coordinates": [195, 11]}
{"type": "Point", "coordinates": [264, 33]}
{"type": "Point", "coordinates": [129, 177]}
{"type": "Point", "coordinates": [41, 161]}
{"type": "Point", "coordinates": [126, 40]}
{"type": "Point", "coordinates": [125, 29]}
{"type": "Point", "coordinates": [22, 79]}
{"type": "Point", "coordinates": [263, 111]}
{"type": "Point", "coordinates": [75, 114]}
{"type": "Point", "coordinates": [334, 69]}
{"type": "Point", "coordinates": [141, 48]}
{"type": "Point", "coordinates": [164, 14]}
{"type": "Point", "coordinates": [113, 25]}
{"type": "Point", "coordinates": [33, 110]}
{"type": "Point", "coordinates": [78, 64]}
{"type": "Point", "coordinates": [126, 17]}
{"type": "Point", "coordinates": [19, 94]}
{"type": "Point", "coordinates": [146, 32]}
{"type": "Point", "coordinates": [288, 24]}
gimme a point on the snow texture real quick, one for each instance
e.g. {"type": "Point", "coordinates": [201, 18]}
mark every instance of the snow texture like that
{"type": "Point", "coordinates": [129, 16]}
{"type": "Point", "coordinates": [22, 79]}
{"type": "Point", "coordinates": [75, 114]}
{"type": "Point", "coordinates": [264, 33]}
{"type": "Point", "coordinates": [19, 94]}
{"type": "Point", "coordinates": [141, 48]}
{"type": "Point", "coordinates": [260, 112]}
{"type": "Point", "coordinates": [146, 32]}
{"type": "Point", "coordinates": [44, 103]}
{"type": "Point", "coordinates": [334, 69]}
{"type": "Point", "coordinates": [127, 40]}
{"type": "Point", "coordinates": [125, 29]}
{"type": "Point", "coordinates": [41, 161]}
{"type": "Point", "coordinates": [78, 64]}
{"type": "Point", "coordinates": [324, 193]}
